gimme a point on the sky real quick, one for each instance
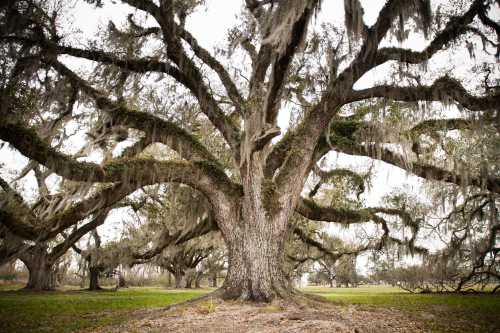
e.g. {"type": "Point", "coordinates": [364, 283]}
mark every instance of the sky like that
{"type": "Point", "coordinates": [210, 25]}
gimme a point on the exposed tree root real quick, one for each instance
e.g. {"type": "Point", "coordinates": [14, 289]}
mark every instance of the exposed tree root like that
{"type": "Point", "coordinates": [298, 313]}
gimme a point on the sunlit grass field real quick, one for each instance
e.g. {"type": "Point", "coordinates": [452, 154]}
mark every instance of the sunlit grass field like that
{"type": "Point", "coordinates": [441, 312]}
{"type": "Point", "coordinates": [71, 310]}
{"type": "Point", "coordinates": [67, 311]}
{"type": "Point", "coordinates": [396, 297]}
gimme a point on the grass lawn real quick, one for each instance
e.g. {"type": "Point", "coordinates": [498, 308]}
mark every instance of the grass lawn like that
{"type": "Point", "coordinates": [70, 310]}
{"type": "Point", "coordinates": [441, 312]}
{"type": "Point", "coordinates": [67, 311]}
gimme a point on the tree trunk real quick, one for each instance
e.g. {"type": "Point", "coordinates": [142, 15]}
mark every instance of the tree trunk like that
{"type": "Point", "coordinates": [213, 280]}
{"type": "Point", "coordinates": [94, 279]}
{"type": "Point", "coordinates": [197, 281]}
{"type": "Point", "coordinates": [179, 280]}
{"type": "Point", "coordinates": [169, 279]}
{"type": "Point", "coordinates": [122, 283]}
{"type": "Point", "coordinates": [40, 265]}
{"type": "Point", "coordinates": [256, 227]}
{"type": "Point", "coordinates": [256, 259]}
{"type": "Point", "coordinates": [42, 275]}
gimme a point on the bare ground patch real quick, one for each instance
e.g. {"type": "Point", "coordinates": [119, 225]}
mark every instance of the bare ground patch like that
{"type": "Point", "coordinates": [219, 316]}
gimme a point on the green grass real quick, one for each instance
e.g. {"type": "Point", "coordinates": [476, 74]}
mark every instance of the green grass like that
{"type": "Point", "coordinates": [67, 311]}
{"type": "Point", "coordinates": [70, 310]}
{"type": "Point", "coordinates": [442, 312]}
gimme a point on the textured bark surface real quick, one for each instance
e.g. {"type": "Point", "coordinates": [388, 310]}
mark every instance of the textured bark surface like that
{"type": "Point", "coordinates": [256, 261]}
{"type": "Point", "coordinates": [94, 279]}
{"type": "Point", "coordinates": [41, 268]}
{"type": "Point", "coordinates": [179, 280]}
{"type": "Point", "coordinates": [41, 275]}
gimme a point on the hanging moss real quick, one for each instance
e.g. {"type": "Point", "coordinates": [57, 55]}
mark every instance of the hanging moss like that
{"type": "Point", "coordinates": [155, 125]}
{"type": "Point", "coordinates": [353, 18]}
{"type": "Point", "coordinates": [29, 143]}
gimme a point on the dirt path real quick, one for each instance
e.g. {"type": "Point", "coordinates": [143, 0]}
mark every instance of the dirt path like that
{"type": "Point", "coordinates": [218, 316]}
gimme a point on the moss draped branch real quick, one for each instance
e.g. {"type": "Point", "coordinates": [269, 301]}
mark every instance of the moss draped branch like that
{"type": "Point", "coordinates": [60, 249]}
{"type": "Point", "coordinates": [194, 81]}
{"type": "Point", "coordinates": [420, 169]}
{"type": "Point", "coordinates": [444, 89]}
{"type": "Point", "coordinates": [157, 129]}
{"type": "Point", "coordinates": [166, 239]}
{"type": "Point", "coordinates": [357, 179]}
{"type": "Point", "coordinates": [455, 27]}
{"type": "Point", "coordinates": [205, 176]}
{"type": "Point", "coordinates": [312, 211]}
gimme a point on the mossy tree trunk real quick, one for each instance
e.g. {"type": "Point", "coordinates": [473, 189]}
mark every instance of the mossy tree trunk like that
{"type": "Point", "coordinates": [256, 268]}
{"type": "Point", "coordinates": [197, 280]}
{"type": "Point", "coordinates": [256, 243]}
{"type": "Point", "coordinates": [213, 280]}
{"type": "Point", "coordinates": [94, 273]}
{"type": "Point", "coordinates": [179, 279]}
{"type": "Point", "coordinates": [41, 270]}
{"type": "Point", "coordinates": [122, 283]}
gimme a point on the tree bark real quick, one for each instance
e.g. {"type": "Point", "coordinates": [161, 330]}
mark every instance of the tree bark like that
{"type": "Point", "coordinates": [197, 281]}
{"type": "Point", "coordinates": [213, 280]}
{"type": "Point", "coordinates": [169, 279]}
{"type": "Point", "coordinates": [189, 283]}
{"type": "Point", "coordinates": [94, 279]}
{"type": "Point", "coordinates": [179, 280]}
{"type": "Point", "coordinates": [256, 261]}
{"type": "Point", "coordinates": [40, 265]}
{"type": "Point", "coordinates": [42, 275]}
{"type": "Point", "coordinates": [122, 283]}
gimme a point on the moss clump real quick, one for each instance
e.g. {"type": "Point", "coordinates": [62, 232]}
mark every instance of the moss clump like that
{"type": "Point", "coordinates": [270, 197]}
{"type": "Point", "coordinates": [116, 167]}
{"type": "Point", "coordinates": [313, 206]}
{"type": "Point", "coordinates": [213, 169]}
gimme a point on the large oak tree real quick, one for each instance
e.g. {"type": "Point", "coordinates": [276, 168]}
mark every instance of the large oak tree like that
{"type": "Point", "coordinates": [255, 183]}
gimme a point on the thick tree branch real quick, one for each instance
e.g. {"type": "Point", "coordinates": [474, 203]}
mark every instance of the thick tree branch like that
{"type": "Point", "coordinates": [282, 61]}
{"type": "Point", "coordinates": [194, 78]}
{"type": "Point", "coordinates": [357, 179]}
{"type": "Point", "coordinates": [312, 211]}
{"type": "Point", "coordinates": [147, 6]}
{"type": "Point", "coordinates": [166, 239]}
{"type": "Point", "coordinates": [15, 213]}
{"type": "Point", "coordinates": [204, 176]}
{"type": "Point", "coordinates": [75, 236]}
{"type": "Point", "coordinates": [138, 65]}
{"type": "Point", "coordinates": [444, 90]}
{"type": "Point", "coordinates": [157, 129]}
{"type": "Point", "coordinates": [189, 77]}
{"type": "Point", "coordinates": [420, 169]}
{"type": "Point", "coordinates": [434, 125]}
{"type": "Point", "coordinates": [455, 27]}
{"type": "Point", "coordinates": [214, 64]}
